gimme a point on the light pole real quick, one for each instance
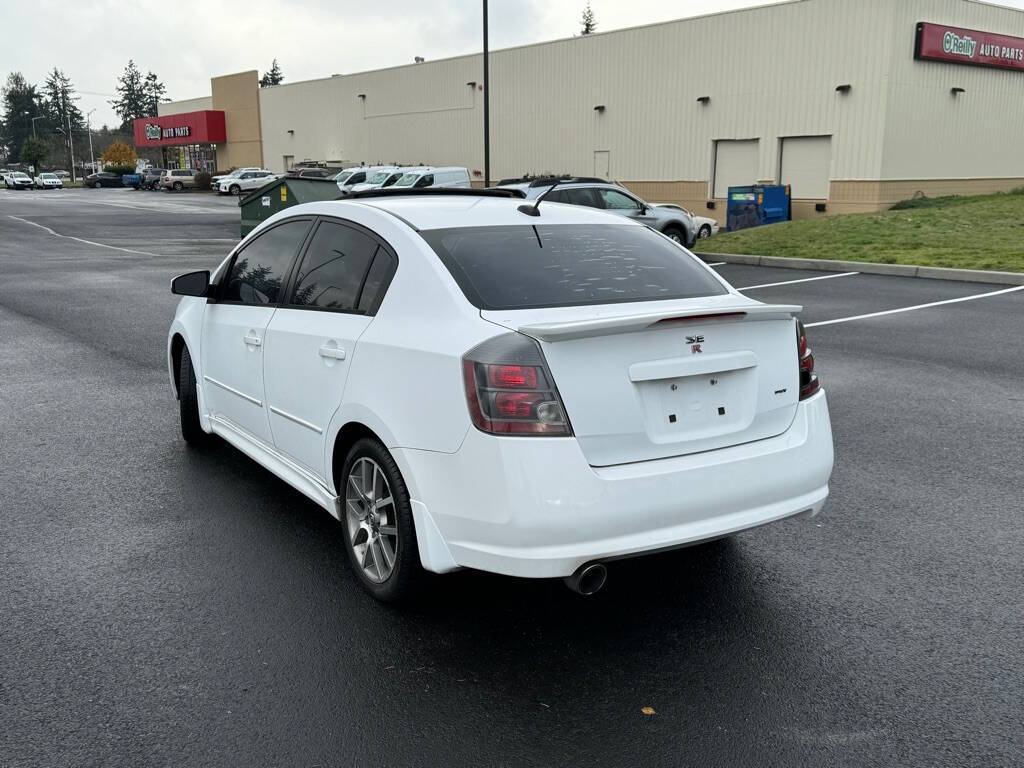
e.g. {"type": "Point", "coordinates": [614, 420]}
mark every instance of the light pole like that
{"type": "Point", "coordinates": [71, 143]}
{"type": "Point", "coordinates": [88, 127]}
{"type": "Point", "coordinates": [34, 124]}
{"type": "Point", "coordinates": [487, 107]}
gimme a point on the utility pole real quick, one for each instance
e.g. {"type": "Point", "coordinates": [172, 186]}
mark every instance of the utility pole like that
{"type": "Point", "coordinates": [71, 143]}
{"type": "Point", "coordinates": [88, 127]}
{"type": "Point", "coordinates": [487, 106]}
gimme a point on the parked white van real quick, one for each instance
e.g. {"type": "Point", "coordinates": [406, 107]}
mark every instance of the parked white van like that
{"type": "Point", "coordinates": [382, 177]}
{"type": "Point", "coordinates": [359, 174]}
{"type": "Point", "coordinates": [418, 178]}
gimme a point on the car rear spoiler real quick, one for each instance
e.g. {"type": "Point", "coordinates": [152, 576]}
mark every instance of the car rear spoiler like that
{"type": "Point", "coordinates": [606, 326]}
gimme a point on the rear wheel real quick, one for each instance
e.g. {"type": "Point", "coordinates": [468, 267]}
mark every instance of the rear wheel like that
{"type": "Point", "coordinates": [177, 186]}
{"type": "Point", "coordinates": [705, 232]}
{"type": "Point", "coordinates": [96, 185]}
{"type": "Point", "coordinates": [188, 400]}
{"type": "Point", "coordinates": [377, 523]}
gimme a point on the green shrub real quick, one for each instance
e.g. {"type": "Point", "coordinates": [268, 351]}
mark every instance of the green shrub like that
{"type": "Point", "coordinates": [203, 180]}
{"type": "Point", "coordinates": [120, 170]}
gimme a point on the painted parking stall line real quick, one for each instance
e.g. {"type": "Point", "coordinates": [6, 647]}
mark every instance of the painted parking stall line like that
{"type": "Point", "coordinates": [79, 239]}
{"type": "Point", "coordinates": [870, 315]}
{"type": "Point", "coordinates": [802, 280]}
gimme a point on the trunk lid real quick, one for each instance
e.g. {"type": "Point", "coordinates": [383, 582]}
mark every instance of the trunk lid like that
{"type": "Point", "coordinates": [654, 380]}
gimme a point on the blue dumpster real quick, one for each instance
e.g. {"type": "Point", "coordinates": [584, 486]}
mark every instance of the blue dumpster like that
{"type": "Point", "coordinates": [756, 206]}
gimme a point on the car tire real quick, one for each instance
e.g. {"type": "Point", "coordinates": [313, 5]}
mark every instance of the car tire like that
{"type": "Point", "coordinates": [235, 189]}
{"type": "Point", "coordinates": [705, 232]}
{"type": "Point", "coordinates": [676, 234]}
{"type": "Point", "coordinates": [96, 185]}
{"type": "Point", "coordinates": [177, 186]}
{"type": "Point", "coordinates": [367, 529]}
{"type": "Point", "coordinates": [188, 402]}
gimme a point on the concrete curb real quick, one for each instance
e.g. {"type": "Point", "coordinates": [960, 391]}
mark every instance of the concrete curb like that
{"type": "Point", "coordinates": [899, 270]}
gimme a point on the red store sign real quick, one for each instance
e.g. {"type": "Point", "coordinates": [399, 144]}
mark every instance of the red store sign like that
{"type": "Point", "coordinates": [205, 127]}
{"type": "Point", "coordinates": [955, 45]}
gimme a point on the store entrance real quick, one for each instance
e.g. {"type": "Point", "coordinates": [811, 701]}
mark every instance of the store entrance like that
{"type": "Point", "coordinates": [202, 157]}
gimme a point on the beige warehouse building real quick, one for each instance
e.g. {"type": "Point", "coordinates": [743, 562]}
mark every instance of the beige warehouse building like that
{"type": "Point", "coordinates": [854, 103]}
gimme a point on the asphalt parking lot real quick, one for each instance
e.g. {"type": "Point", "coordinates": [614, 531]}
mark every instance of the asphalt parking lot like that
{"type": "Point", "coordinates": [164, 606]}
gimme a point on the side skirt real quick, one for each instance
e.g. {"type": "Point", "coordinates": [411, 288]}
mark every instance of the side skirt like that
{"type": "Point", "coordinates": [280, 465]}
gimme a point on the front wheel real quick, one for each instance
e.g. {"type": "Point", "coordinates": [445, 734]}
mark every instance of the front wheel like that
{"type": "Point", "coordinates": [377, 523]}
{"type": "Point", "coordinates": [188, 401]}
{"type": "Point", "coordinates": [235, 189]}
{"type": "Point", "coordinates": [675, 234]}
{"type": "Point", "coordinates": [96, 185]}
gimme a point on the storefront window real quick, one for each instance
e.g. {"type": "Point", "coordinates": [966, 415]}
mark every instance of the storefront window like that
{"type": "Point", "coordinates": [201, 157]}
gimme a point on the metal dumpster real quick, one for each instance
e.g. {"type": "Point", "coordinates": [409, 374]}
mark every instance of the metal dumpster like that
{"type": "Point", "coordinates": [756, 206]}
{"type": "Point", "coordinates": [261, 204]}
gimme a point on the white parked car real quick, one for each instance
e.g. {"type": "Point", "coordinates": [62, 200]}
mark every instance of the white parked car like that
{"type": "Point", "coordinates": [17, 180]}
{"type": "Point", "coordinates": [47, 181]}
{"type": "Point", "coordinates": [420, 178]}
{"type": "Point", "coordinates": [216, 180]}
{"type": "Point", "coordinates": [245, 182]}
{"type": "Point", "coordinates": [704, 226]}
{"type": "Point", "coordinates": [476, 386]}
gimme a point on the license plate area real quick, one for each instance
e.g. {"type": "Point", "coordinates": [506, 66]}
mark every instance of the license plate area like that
{"type": "Point", "coordinates": [698, 407]}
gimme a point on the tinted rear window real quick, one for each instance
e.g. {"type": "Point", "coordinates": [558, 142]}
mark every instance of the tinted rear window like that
{"type": "Point", "coordinates": [560, 265]}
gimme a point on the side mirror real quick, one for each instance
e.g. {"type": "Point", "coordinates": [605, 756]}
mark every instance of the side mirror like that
{"type": "Point", "coordinates": [191, 283]}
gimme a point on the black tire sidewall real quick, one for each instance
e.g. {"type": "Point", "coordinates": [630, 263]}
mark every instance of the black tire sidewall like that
{"type": "Point", "coordinates": [704, 233]}
{"type": "Point", "coordinates": [669, 231]}
{"type": "Point", "coordinates": [408, 573]}
{"type": "Point", "coordinates": [188, 399]}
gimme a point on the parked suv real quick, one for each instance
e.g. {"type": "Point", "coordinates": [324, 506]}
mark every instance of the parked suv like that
{"type": "Point", "coordinates": [216, 180]}
{"type": "Point", "coordinates": [674, 223]}
{"type": "Point", "coordinates": [149, 178]}
{"type": "Point", "coordinates": [466, 382]}
{"type": "Point", "coordinates": [179, 178]}
{"type": "Point", "coordinates": [245, 182]}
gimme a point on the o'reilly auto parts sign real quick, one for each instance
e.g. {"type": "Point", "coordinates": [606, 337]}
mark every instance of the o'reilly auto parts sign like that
{"type": "Point", "coordinates": [955, 45]}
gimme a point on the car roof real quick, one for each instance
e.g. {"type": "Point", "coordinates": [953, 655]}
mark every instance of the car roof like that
{"type": "Point", "coordinates": [425, 212]}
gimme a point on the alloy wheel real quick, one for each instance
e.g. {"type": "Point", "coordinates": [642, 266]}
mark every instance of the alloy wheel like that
{"type": "Point", "coordinates": [372, 520]}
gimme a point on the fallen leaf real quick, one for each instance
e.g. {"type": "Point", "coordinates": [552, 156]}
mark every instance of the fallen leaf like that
{"type": "Point", "coordinates": [647, 710]}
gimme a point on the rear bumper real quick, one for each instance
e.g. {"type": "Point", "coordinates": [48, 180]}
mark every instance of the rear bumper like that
{"type": "Point", "coordinates": [533, 507]}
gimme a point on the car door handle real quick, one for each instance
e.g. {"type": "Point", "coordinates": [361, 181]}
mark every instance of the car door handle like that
{"type": "Point", "coordinates": [332, 352]}
{"type": "Point", "coordinates": [252, 340]}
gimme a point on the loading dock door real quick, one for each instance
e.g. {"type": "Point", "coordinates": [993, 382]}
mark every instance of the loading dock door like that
{"type": "Point", "coordinates": [735, 165]}
{"type": "Point", "coordinates": [806, 163]}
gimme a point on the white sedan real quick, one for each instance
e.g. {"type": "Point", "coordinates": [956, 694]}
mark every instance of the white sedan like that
{"type": "Point", "coordinates": [705, 226]}
{"type": "Point", "coordinates": [467, 381]}
{"type": "Point", "coordinates": [246, 182]}
{"type": "Point", "coordinates": [47, 181]}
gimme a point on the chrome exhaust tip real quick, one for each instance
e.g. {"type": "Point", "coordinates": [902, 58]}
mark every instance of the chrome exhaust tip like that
{"type": "Point", "coordinates": [588, 579]}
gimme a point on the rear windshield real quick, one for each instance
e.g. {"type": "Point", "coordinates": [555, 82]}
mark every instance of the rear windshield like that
{"type": "Point", "coordinates": [560, 265]}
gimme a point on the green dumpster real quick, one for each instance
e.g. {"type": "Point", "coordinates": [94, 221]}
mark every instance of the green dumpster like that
{"type": "Point", "coordinates": [279, 194]}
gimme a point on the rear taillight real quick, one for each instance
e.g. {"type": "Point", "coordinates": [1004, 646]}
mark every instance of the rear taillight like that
{"type": "Point", "coordinates": [808, 378]}
{"type": "Point", "coordinates": [509, 389]}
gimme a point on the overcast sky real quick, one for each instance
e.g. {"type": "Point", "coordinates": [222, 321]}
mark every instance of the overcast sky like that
{"type": "Point", "coordinates": [185, 42]}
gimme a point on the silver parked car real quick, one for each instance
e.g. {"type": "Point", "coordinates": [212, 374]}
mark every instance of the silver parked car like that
{"type": "Point", "coordinates": [674, 223]}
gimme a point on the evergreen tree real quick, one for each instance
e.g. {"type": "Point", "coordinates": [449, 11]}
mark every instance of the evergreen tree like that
{"type": "Point", "coordinates": [59, 103]}
{"type": "Point", "coordinates": [589, 23]}
{"type": "Point", "coordinates": [154, 92]}
{"type": "Point", "coordinates": [33, 152]}
{"type": "Point", "coordinates": [21, 103]}
{"type": "Point", "coordinates": [131, 101]}
{"type": "Point", "coordinates": [274, 77]}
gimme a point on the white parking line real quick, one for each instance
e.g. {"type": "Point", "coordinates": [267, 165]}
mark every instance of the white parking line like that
{"type": "Point", "coordinates": [918, 306]}
{"type": "Point", "coordinates": [79, 239]}
{"type": "Point", "coordinates": [716, 263]}
{"type": "Point", "coordinates": [804, 280]}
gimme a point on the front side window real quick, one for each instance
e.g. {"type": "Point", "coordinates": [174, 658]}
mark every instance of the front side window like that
{"type": "Point", "coordinates": [618, 201]}
{"type": "Point", "coordinates": [425, 181]}
{"type": "Point", "coordinates": [260, 268]}
{"type": "Point", "coordinates": [557, 265]}
{"type": "Point", "coordinates": [342, 177]}
{"type": "Point", "coordinates": [334, 268]}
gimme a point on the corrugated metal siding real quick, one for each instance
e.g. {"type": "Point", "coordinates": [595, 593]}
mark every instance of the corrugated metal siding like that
{"type": "Point", "coordinates": [770, 73]}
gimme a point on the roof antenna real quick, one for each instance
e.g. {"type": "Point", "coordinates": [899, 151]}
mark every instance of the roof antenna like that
{"type": "Point", "coordinates": [534, 210]}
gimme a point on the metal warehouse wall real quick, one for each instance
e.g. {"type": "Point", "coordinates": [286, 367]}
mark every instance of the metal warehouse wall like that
{"type": "Point", "coordinates": [770, 73]}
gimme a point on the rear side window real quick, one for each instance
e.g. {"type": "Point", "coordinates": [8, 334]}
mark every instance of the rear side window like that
{"type": "Point", "coordinates": [260, 268]}
{"type": "Point", "coordinates": [524, 266]}
{"type": "Point", "coordinates": [334, 268]}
